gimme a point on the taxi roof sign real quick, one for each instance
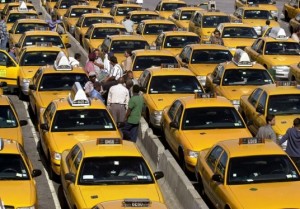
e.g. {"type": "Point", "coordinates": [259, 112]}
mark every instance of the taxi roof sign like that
{"type": "Point", "coordinates": [23, 7]}
{"type": "Point", "coordinates": [108, 141]}
{"type": "Point", "coordinates": [152, 47]}
{"type": "Point", "coordinates": [212, 5]}
{"type": "Point", "coordinates": [199, 95]}
{"type": "Point", "coordinates": [136, 203]}
{"type": "Point", "coordinates": [278, 33]}
{"type": "Point", "coordinates": [62, 62]}
{"type": "Point", "coordinates": [251, 140]}
{"type": "Point", "coordinates": [169, 65]}
{"type": "Point", "coordinates": [241, 58]}
{"type": "Point", "coordinates": [44, 44]}
{"type": "Point", "coordinates": [286, 83]}
{"type": "Point", "coordinates": [77, 96]}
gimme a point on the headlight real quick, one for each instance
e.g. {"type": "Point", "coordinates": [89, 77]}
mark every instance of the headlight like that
{"type": "Point", "coordinates": [29, 207]}
{"type": "Point", "coordinates": [235, 102]}
{"type": "Point", "coordinates": [157, 113]}
{"type": "Point", "coordinates": [25, 81]}
{"type": "Point", "coordinates": [192, 153]}
{"type": "Point", "coordinates": [56, 155]}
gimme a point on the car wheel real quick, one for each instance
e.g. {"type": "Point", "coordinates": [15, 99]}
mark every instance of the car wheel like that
{"type": "Point", "coordinates": [50, 170]}
{"type": "Point", "coordinates": [182, 161]}
{"type": "Point", "coordinates": [200, 186]}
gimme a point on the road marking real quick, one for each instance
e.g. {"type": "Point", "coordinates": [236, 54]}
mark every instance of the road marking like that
{"type": "Point", "coordinates": [50, 183]}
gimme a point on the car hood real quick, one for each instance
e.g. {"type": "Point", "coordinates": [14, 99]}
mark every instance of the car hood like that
{"type": "Point", "coordinates": [267, 195]}
{"type": "Point", "coordinates": [283, 122]}
{"type": "Point", "coordinates": [162, 100]}
{"type": "Point", "coordinates": [17, 193]}
{"type": "Point", "coordinates": [72, 21]}
{"type": "Point", "coordinates": [202, 69]}
{"type": "Point", "coordinates": [238, 42]}
{"type": "Point", "coordinates": [10, 133]}
{"type": "Point", "coordinates": [260, 22]}
{"type": "Point", "coordinates": [183, 23]}
{"type": "Point", "coordinates": [28, 71]}
{"type": "Point", "coordinates": [282, 59]}
{"type": "Point", "coordinates": [15, 38]}
{"type": "Point", "coordinates": [95, 43]}
{"type": "Point", "coordinates": [47, 96]}
{"type": "Point", "coordinates": [206, 138]}
{"type": "Point", "coordinates": [104, 193]}
{"type": "Point", "coordinates": [235, 92]}
{"type": "Point", "coordinates": [150, 38]}
{"type": "Point", "coordinates": [270, 7]}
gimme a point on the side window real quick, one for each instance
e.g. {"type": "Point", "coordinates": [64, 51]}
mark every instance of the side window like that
{"type": "Point", "coordinates": [255, 44]}
{"type": "Point", "coordinates": [178, 114]}
{"type": "Point", "coordinates": [262, 101]}
{"type": "Point", "coordinates": [158, 7]}
{"type": "Point", "coordinates": [78, 160]}
{"type": "Point", "coordinates": [213, 157]}
{"type": "Point", "coordinates": [173, 108]}
{"type": "Point", "coordinates": [6, 60]}
{"type": "Point", "coordinates": [254, 96]}
{"type": "Point", "coordinates": [89, 31]}
{"type": "Point", "coordinates": [47, 112]}
{"type": "Point", "coordinates": [218, 72]}
{"type": "Point", "coordinates": [144, 79]}
{"type": "Point", "coordinates": [159, 40]}
{"type": "Point", "coordinates": [72, 154]}
{"type": "Point", "coordinates": [188, 53]}
{"type": "Point", "coordinates": [183, 52]}
{"type": "Point", "coordinates": [221, 166]}
{"type": "Point", "coordinates": [260, 47]}
{"type": "Point", "coordinates": [79, 22]}
{"type": "Point", "coordinates": [196, 17]}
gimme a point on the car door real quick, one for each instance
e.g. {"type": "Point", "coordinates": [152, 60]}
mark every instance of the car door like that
{"type": "Point", "coordinates": [260, 115]}
{"type": "Point", "coordinates": [33, 88]}
{"type": "Point", "coordinates": [255, 49]}
{"type": "Point", "coordinates": [9, 69]}
{"type": "Point", "coordinates": [86, 38]}
{"type": "Point", "coordinates": [159, 41]}
{"type": "Point", "coordinates": [214, 80]}
{"type": "Point", "coordinates": [183, 56]}
{"type": "Point", "coordinates": [193, 22]}
{"type": "Point", "coordinates": [78, 29]}
{"type": "Point", "coordinates": [175, 136]}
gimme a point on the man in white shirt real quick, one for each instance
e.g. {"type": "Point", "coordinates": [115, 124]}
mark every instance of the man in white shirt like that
{"type": "Point", "coordinates": [128, 24]}
{"type": "Point", "coordinates": [116, 71]}
{"type": "Point", "coordinates": [117, 101]}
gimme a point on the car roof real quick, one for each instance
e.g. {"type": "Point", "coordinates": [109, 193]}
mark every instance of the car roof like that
{"type": "Point", "coordinates": [41, 32]}
{"type": "Point", "coordinates": [4, 100]}
{"type": "Point", "coordinates": [64, 104]}
{"type": "Point", "coordinates": [158, 71]}
{"type": "Point", "coordinates": [232, 65]}
{"type": "Point", "coordinates": [96, 15]}
{"type": "Point", "coordinates": [190, 9]}
{"type": "Point", "coordinates": [127, 37]}
{"type": "Point", "coordinates": [108, 25]}
{"type": "Point", "coordinates": [128, 5]}
{"type": "Point", "coordinates": [31, 21]}
{"type": "Point", "coordinates": [272, 89]}
{"type": "Point", "coordinates": [209, 13]}
{"type": "Point", "coordinates": [193, 102]}
{"type": "Point", "coordinates": [10, 147]}
{"type": "Point", "coordinates": [135, 12]}
{"type": "Point", "coordinates": [157, 21]}
{"type": "Point", "coordinates": [143, 52]}
{"type": "Point", "coordinates": [51, 69]}
{"type": "Point", "coordinates": [179, 33]}
{"type": "Point", "coordinates": [34, 48]}
{"type": "Point", "coordinates": [207, 46]}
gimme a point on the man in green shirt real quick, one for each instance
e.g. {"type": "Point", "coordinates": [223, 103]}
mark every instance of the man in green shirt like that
{"type": "Point", "coordinates": [133, 115]}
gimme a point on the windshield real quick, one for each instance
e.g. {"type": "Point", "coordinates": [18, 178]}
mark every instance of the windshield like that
{"type": "Point", "coordinates": [143, 62]}
{"type": "Point", "coordinates": [180, 41]}
{"type": "Point", "coordinates": [111, 3]}
{"type": "Point", "coordinates": [139, 17]}
{"type": "Point", "coordinates": [121, 46]}
{"type": "Point", "coordinates": [14, 17]}
{"type": "Point", "coordinates": [260, 1]}
{"type": "Point", "coordinates": [114, 170]}
{"type": "Point", "coordinates": [211, 118]}
{"type": "Point", "coordinates": [80, 11]}
{"type": "Point", "coordinates": [171, 6]}
{"type": "Point", "coordinates": [210, 56]}
{"type": "Point", "coordinates": [286, 104]}
{"type": "Point", "coordinates": [38, 58]}
{"type": "Point", "coordinates": [65, 4]}
{"type": "Point", "coordinates": [101, 33]}
{"type": "Point", "coordinates": [213, 21]}
{"type": "Point", "coordinates": [186, 15]}
{"type": "Point", "coordinates": [239, 32]}
{"type": "Point", "coordinates": [123, 11]}
{"type": "Point", "coordinates": [172, 84]}
{"type": "Point", "coordinates": [7, 117]}
{"type": "Point", "coordinates": [155, 29]}
{"type": "Point", "coordinates": [236, 77]}
{"type": "Point", "coordinates": [32, 40]}
{"type": "Point", "coordinates": [23, 27]}
{"type": "Point", "coordinates": [93, 20]}
{"type": "Point", "coordinates": [257, 14]}
{"type": "Point", "coordinates": [12, 167]}
{"type": "Point", "coordinates": [261, 169]}
{"type": "Point", "coordinates": [82, 120]}
{"type": "Point", "coordinates": [63, 82]}
{"type": "Point", "coordinates": [282, 48]}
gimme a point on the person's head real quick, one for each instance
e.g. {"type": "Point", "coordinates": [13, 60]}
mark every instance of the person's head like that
{"type": "Point", "coordinates": [92, 57]}
{"type": "Point", "coordinates": [97, 86]}
{"type": "Point", "coordinates": [97, 52]}
{"type": "Point", "coordinates": [121, 80]}
{"type": "Point", "coordinates": [113, 60]}
{"type": "Point", "coordinates": [128, 53]}
{"type": "Point", "coordinates": [136, 89]}
{"type": "Point", "coordinates": [129, 75]}
{"type": "Point", "coordinates": [129, 83]}
{"type": "Point", "coordinates": [127, 17]}
{"type": "Point", "coordinates": [77, 56]}
{"type": "Point", "coordinates": [270, 119]}
{"type": "Point", "coordinates": [296, 123]}
{"type": "Point", "coordinates": [54, 17]}
{"type": "Point", "coordinates": [92, 76]}
{"type": "Point", "coordinates": [297, 30]}
{"type": "Point", "coordinates": [2, 17]}
{"type": "Point", "coordinates": [217, 33]}
{"type": "Point", "coordinates": [12, 49]}
{"type": "Point", "coordinates": [268, 22]}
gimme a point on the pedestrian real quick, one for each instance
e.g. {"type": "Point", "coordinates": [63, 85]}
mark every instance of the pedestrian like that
{"type": "Point", "coordinates": [140, 2]}
{"type": "Point", "coordinates": [89, 66]}
{"type": "Point", "coordinates": [133, 115]}
{"type": "Point", "coordinates": [89, 86]}
{"type": "Point", "coordinates": [216, 38]}
{"type": "Point", "coordinates": [296, 34]}
{"type": "Point", "coordinates": [53, 22]}
{"type": "Point", "coordinates": [116, 71]}
{"type": "Point", "coordinates": [128, 24]}
{"type": "Point", "coordinates": [96, 92]}
{"type": "Point", "coordinates": [264, 28]}
{"type": "Point", "coordinates": [266, 131]}
{"type": "Point", "coordinates": [75, 61]}
{"type": "Point", "coordinates": [3, 33]}
{"type": "Point", "coordinates": [127, 63]}
{"type": "Point", "coordinates": [117, 101]}
{"type": "Point", "coordinates": [12, 53]}
{"type": "Point", "coordinates": [292, 136]}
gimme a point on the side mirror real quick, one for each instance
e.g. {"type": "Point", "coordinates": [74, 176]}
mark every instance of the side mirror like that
{"type": "Point", "coordinates": [44, 126]}
{"type": "Point", "coordinates": [158, 175]}
{"type": "Point", "coordinates": [68, 45]}
{"type": "Point", "coordinates": [10, 31]}
{"type": "Point", "coordinates": [174, 125]}
{"type": "Point", "coordinates": [217, 178]}
{"type": "Point", "coordinates": [17, 45]}
{"type": "Point", "coordinates": [259, 109]}
{"type": "Point", "coordinates": [216, 81]}
{"type": "Point", "coordinates": [32, 87]}
{"type": "Point", "coordinates": [70, 177]}
{"type": "Point", "coordinates": [3, 83]}
{"type": "Point", "coordinates": [138, 32]}
{"type": "Point", "coordinates": [36, 172]}
{"type": "Point", "coordinates": [23, 122]}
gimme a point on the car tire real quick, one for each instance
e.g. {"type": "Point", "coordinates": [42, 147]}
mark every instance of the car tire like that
{"type": "Point", "coordinates": [182, 161]}
{"type": "Point", "coordinates": [200, 186]}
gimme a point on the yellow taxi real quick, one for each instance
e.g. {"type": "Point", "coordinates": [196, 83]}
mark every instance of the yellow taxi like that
{"type": "Point", "coordinates": [248, 173]}
{"type": "Point", "coordinates": [162, 85]}
{"type": "Point", "coordinates": [150, 29]}
{"type": "Point", "coordinates": [139, 15]}
{"type": "Point", "coordinates": [281, 100]}
{"type": "Point", "coordinates": [3, 3]}
{"type": "Point", "coordinates": [43, 89]}
{"type": "Point", "coordinates": [93, 3]}
{"type": "Point", "coordinates": [23, 25]}
{"type": "Point", "coordinates": [165, 8]}
{"type": "Point", "coordinates": [106, 5]}
{"type": "Point", "coordinates": [118, 44]}
{"type": "Point", "coordinates": [149, 57]}
{"type": "Point", "coordinates": [30, 59]}
{"type": "Point", "coordinates": [107, 169]}
{"type": "Point", "coordinates": [49, 5]}
{"type": "Point", "coordinates": [295, 73]}
{"type": "Point", "coordinates": [61, 7]}
{"type": "Point", "coordinates": [2, 84]}
{"type": "Point", "coordinates": [174, 41]}
{"type": "Point", "coordinates": [18, 187]}
{"type": "Point", "coordinates": [266, 4]}
{"type": "Point", "coordinates": [275, 52]}
{"type": "Point", "coordinates": [119, 11]}
{"type": "Point", "coordinates": [130, 204]}
{"type": "Point", "coordinates": [238, 77]}
{"type": "Point", "coordinates": [96, 34]}
{"type": "Point", "coordinates": [181, 16]}
{"type": "Point", "coordinates": [86, 20]}
{"type": "Point", "coordinates": [31, 38]}
{"type": "Point", "coordinates": [237, 35]}
{"type": "Point", "coordinates": [10, 125]}
{"type": "Point", "coordinates": [74, 13]}
{"type": "Point", "coordinates": [294, 23]}
{"type": "Point", "coordinates": [256, 17]}
{"type": "Point", "coordinates": [191, 124]}
{"type": "Point", "coordinates": [204, 23]}
{"type": "Point", "coordinates": [202, 59]}
{"type": "Point", "coordinates": [290, 9]}
{"type": "Point", "coordinates": [73, 119]}
{"type": "Point", "coordinates": [16, 5]}
{"type": "Point", "coordinates": [9, 69]}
